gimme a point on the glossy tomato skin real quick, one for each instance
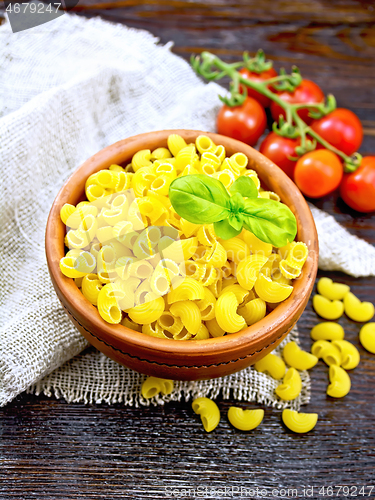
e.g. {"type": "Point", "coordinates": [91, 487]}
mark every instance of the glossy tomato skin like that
{"type": "Point", "coordinates": [278, 149]}
{"type": "Point", "coordinates": [341, 128]}
{"type": "Point", "coordinates": [258, 77]}
{"type": "Point", "coordinates": [307, 92]}
{"type": "Point", "coordinates": [318, 173]}
{"type": "Point", "coordinates": [358, 188]}
{"type": "Point", "coordinates": [245, 123]}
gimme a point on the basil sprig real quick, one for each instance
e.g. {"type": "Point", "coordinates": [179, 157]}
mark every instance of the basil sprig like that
{"type": "Point", "coordinates": [201, 199]}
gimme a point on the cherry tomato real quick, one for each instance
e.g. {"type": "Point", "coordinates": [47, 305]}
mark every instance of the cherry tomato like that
{"type": "Point", "coordinates": [341, 128]}
{"type": "Point", "coordinates": [278, 149]}
{"type": "Point", "coordinates": [358, 188]}
{"type": "Point", "coordinates": [306, 93]}
{"type": "Point", "coordinates": [318, 173]}
{"type": "Point", "coordinates": [258, 77]}
{"type": "Point", "coordinates": [245, 123]}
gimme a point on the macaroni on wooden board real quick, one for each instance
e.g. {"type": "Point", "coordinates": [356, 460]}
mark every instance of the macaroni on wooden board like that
{"type": "Point", "coordinates": [328, 309]}
{"type": "Point", "coordinates": [367, 337]}
{"type": "Point", "coordinates": [327, 330]}
{"type": "Point", "coordinates": [339, 382]}
{"type": "Point", "coordinates": [245, 420]}
{"type": "Point", "coordinates": [299, 422]}
{"type": "Point", "coordinates": [208, 411]}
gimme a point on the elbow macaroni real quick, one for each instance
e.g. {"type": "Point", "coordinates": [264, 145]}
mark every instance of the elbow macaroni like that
{"type": "Point", "coordinates": [327, 351]}
{"type": "Point", "coordinates": [327, 331]}
{"type": "Point", "coordinates": [245, 420]}
{"type": "Point", "coordinates": [153, 386]}
{"type": "Point", "coordinates": [340, 382]}
{"type": "Point", "coordinates": [357, 310]}
{"type": "Point", "coordinates": [291, 386]}
{"type": "Point", "coordinates": [295, 357]}
{"type": "Point", "coordinates": [299, 422]}
{"type": "Point", "coordinates": [271, 364]}
{"type": "Point", "coordinates": [328, 309]}
{"type": "Point", "coordinates": [189, 314]}
{"type": "Point", "coordinates": [148, 312]}
{"type": "Point", "coordinates": [226, 313]}
{"type": "Point", "coordinates": [248, 271]}
{"type": "Point", "coordinates": [367, 337]}
{"type": "Point", "coordinates": [331, 290]}
{"type": "Point", "coordinates": [208, 411]}
{"type": "Point", "coordinates": [271, 291]}
{"type": "Point", "coordinates": [349, 354]}
{"type": "Point", "coordinates": [145, 267]}
{"type": "Point", "coordinates": [253, 311]}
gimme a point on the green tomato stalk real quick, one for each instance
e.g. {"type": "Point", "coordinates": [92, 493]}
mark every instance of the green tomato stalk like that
{"type": "Point", "coordinates": [212, 67]}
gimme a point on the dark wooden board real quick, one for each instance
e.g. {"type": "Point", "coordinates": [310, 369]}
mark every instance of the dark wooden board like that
{"type": "Point", "coordinates": [50, 449]}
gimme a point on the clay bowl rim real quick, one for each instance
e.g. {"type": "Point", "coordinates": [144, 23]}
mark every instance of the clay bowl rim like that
{"type": "Point", "coordinates": [269, 174]}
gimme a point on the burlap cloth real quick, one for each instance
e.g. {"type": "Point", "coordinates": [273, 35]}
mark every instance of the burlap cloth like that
{"type": "Point", "coordinates": [68, 89]}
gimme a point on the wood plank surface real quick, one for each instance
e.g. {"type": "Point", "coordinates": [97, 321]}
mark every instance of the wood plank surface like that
{"type": "Point", "coordinates": [50, 449]}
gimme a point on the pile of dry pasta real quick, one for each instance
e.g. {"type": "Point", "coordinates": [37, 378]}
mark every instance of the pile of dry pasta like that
{"type": "Point", "coordinates": [147, 268]}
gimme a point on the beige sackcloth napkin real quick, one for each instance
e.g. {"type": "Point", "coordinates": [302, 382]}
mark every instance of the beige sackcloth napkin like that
{"type": "Point", "coordinates": [68, 89]}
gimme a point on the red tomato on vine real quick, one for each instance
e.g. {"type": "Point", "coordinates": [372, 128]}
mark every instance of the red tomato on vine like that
{"type": "Point", "coordinates": [279, 150]}
{"type": "Point", "coordinates": [258, 77]}
{"type": "Point", "coordinates": [245, 123]}
{"type": "Point", "coordinates": [342, 129]}
{"type": "Point", "coordinates": [358, 188]}
{"type": "Point", "coordinates": [307, 92]}
{"type": "Point", "coordinates": [318, 173]}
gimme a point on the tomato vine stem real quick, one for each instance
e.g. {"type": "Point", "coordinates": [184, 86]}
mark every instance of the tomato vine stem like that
{"type": "Point", "coordinates": [212, 67]}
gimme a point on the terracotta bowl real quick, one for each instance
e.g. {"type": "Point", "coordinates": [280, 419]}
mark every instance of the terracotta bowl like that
{"type": "Point", "coordinates": [181, 360]}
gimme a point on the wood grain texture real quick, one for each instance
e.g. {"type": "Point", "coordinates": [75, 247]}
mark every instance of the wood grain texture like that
{"type": "Point", "coordinates": [50, 449]}
{"type": "Point", "coordinates": [332, 42]}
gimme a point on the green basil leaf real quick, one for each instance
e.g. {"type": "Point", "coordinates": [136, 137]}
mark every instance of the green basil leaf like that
{"type": "Point", "coordinates": [270, 221]}
{"type": "Point", "coordinates": [245, 187]}
{"type": "Point", "coordinates": [236, 221]}
{"type": "Point", "coordinates": [237, 203]}
{"type": "Point", "coordinates": [200, 199]}
{"type": "Point", "coordinates": [224, 230]}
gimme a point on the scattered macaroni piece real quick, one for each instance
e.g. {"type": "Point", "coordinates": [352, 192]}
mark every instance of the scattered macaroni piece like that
{"type": "Point", "coordinates": [291, 386]}
{"type": "Point", "coordinates": [327, 351]}
{"type": "Point", "coordinates": [328, 330]}
{"type": "Point", "coordinates": [245, 420]}
{"type": "Point", "coordinates": [153, 386]}
{"type": "Point", "coordinates": [271, 364]}
{"type": "Point", "coordinates": [326, 308]}
{"type": "Point", "coordinates": [209, 412]}
{"type": "Point", "coordinates": [340, 382]}
{"type": "Point", "coordinates": [297, 358]}
{"type": "Point", "coordinates": [367, 337]}
{"type": "Point", "coordinates": [357, 310]}
{"type": "Point", "coordinates": [299, 422]}
{"type": "Point", "coordinates": [349, 354]}
{"type": "Point", "coordinates": [331, 290]}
